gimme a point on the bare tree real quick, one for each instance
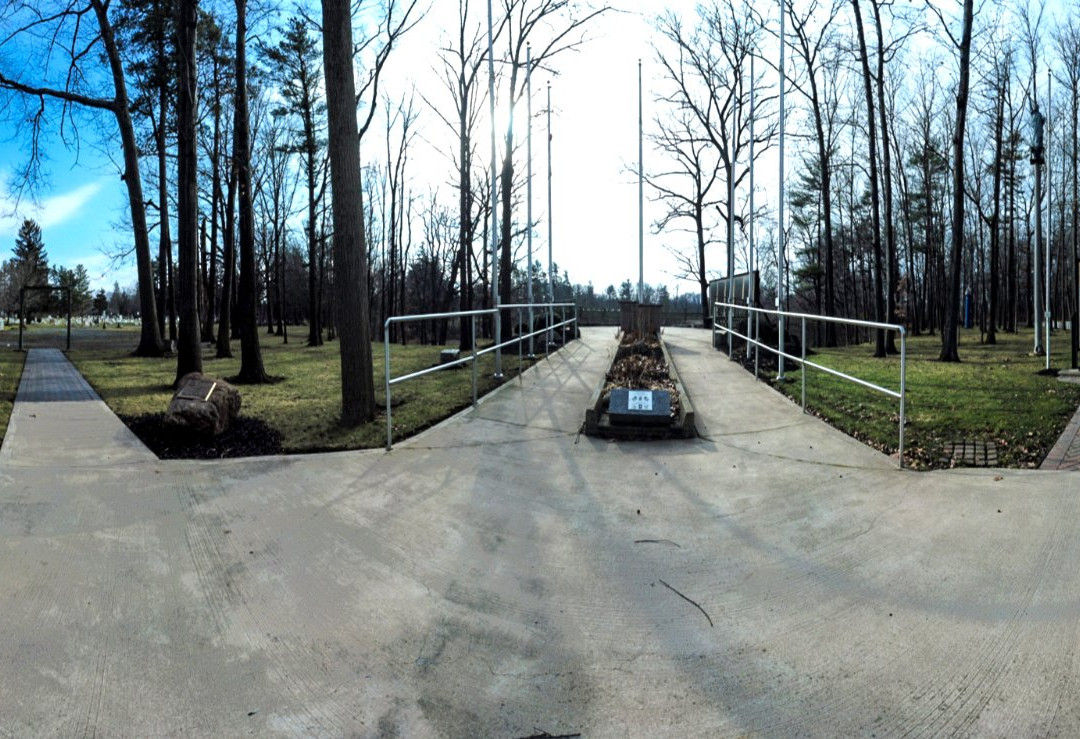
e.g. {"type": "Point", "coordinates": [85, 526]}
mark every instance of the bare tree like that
{"type": "Point", "coordinates": [708, 71]}
{"type": "Point", "coordinates": [556, 26]}
{"type": "Point", "coordinates": [950, 332]}
{"type": "Point", "coordinates": [60, 28]}
{"type": "Point", "coordinates": [873, 174]}
{"type": "Point", "coordinates": [813, 46]}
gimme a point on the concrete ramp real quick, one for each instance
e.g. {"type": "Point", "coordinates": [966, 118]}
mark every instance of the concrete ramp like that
{"type": "Point", "coordinates": [502, 575]}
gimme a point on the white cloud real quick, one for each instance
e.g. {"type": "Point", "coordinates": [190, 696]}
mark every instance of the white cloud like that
{"type": "Point", "coordinates": [50, 212]}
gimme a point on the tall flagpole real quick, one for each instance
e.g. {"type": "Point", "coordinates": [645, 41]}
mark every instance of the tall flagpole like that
{"type": "Point", "coordinates": [494, 197]}
{"type": "Point", "coordinates": [1049, 212]}
{"type": "Point", "coordinates": [528, 177]}
{"type": "Point", "coordinates": [641, 193]}
{"type": "Point", "coordinates": [551, 277]}
{"type": "Point", "coordinates": [780, 267]}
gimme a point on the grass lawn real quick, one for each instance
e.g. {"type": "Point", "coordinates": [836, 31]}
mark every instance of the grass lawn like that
{"type": "Point", "coordinates": [304, 404]}
{"type": "Point", "coordinates": [11, 364]}
{"type": "Point", "coordinates": [994, 394]}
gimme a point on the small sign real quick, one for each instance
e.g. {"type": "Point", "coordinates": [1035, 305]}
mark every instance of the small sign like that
{"type": "Point", "coordinates": [197, 390]}
{"type": "Point", "coordinates": [650, 407]}
{"type": "Point", "coordinates": [639, 400]}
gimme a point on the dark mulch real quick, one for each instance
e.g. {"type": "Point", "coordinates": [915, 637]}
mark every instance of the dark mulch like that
{"type": "Point", "coordinates": [246, 437]}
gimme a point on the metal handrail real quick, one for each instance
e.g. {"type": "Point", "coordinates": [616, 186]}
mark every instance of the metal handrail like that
{"type": "Point", "coordinates": [471, 359]}
{"type": "Point", "coordinates": [900, 394]}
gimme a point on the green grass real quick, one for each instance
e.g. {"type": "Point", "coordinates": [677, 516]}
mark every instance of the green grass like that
{"type": "Point", "coordinates": [11, 365]}
{"type": "Point", "coordinates": [304, 404]}
{"type": "Point", "coordinates": [994, 394]}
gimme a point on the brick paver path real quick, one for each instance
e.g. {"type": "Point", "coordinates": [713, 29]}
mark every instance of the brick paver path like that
{"type": "Point", "coordinates": [48, 377]}
{"type": "Point", "coordinates": [1066, 452]}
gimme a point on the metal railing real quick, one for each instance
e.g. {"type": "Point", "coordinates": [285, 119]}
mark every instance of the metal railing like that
{"type": "Point", "coordinates": [475, 354]}
{"type": "Point", "coordinates": [900, 394]}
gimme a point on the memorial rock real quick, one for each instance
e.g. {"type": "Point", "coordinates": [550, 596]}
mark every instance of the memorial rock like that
{"type": "Point", "coordinates": [203, 405]}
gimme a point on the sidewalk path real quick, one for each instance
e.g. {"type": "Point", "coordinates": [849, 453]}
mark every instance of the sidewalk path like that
{"type": "Point", "coordinates": [501, 575]}
{"type": "Point", "coordinates": [59, 421]}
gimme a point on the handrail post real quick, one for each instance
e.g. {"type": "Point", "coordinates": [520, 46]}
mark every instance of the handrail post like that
{"type": "Point", "coordinates": [903, 391]}
{"type": "Point", "coordinates": [577, 326]}
{"type": "Point", "coordinates": [521, 348]}
{"type": "Point", "coordinates": [386, 374]}
{"type": "Point", "coordinates": [498, 343]}
{"type": "Point", "coordinates": [757, 339]}
{"type": "Point", "coordinates": [562, 323]}
{"type": "Point", "coordinates": [474, 360]}
{"type": "Point", "coordinates": [532, 353]}
{"type": "Point", "coordinates": [803, 353]}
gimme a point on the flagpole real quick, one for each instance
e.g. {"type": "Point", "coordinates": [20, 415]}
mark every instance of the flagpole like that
{"type": "Point", "coordinates": [780, 267]}
{"type": "Point", "coordinates": [528, 177]}
{"type": "Point", "coordinates": [641, 193]}
{"type": "Point", "coordinates": [494, 197]}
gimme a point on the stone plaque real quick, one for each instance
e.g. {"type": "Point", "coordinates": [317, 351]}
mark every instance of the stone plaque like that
{"type": "Point", "coordinates": [640, 407]}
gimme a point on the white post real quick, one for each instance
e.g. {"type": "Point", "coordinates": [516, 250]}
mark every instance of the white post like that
{"type": "Point", "coordinates": [551, 277]}
{"type": "Point", "coordinates": [528, 177]}
{"type": "Point", "coordinates": [641, 192]}
{"type": "Point", "coordinates": [1049, 214]}
{"type": "Point", "coordinates": [750, 251]}
{"type": "Point", "coordinates": [494, 195]}
{"type": "Point", "coordinates": [730, 297]}
{"type": "Point", "coordinates": [780, 216]}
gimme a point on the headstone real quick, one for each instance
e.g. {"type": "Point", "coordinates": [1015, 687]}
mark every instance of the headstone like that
{"type": "Point", "coordinates": [449, 355]}
{"type": "Point", "coordinates": [648, 407]}
{"type": "Point", "coordinates": [203, 405]}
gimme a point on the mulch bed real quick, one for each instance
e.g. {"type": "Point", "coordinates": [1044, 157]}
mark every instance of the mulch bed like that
{"type": "Point", "coordinates": [246, 437]}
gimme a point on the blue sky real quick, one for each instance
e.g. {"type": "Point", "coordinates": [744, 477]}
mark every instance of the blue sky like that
{"type": "Point", "coordinates": [79, 212]}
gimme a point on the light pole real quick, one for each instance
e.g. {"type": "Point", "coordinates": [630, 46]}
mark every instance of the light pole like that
{"type": "Point", "coordinates": [1038, 122]}
{"type": "Point", "coordinates": [494, 198]}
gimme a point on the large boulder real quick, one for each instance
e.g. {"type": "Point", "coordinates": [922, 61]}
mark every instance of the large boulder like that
{"type": "Point", "coordinates": [203, 405]}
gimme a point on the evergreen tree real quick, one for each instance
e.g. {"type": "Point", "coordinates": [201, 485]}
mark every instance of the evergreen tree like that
{"type": "Point", "coordinates": [30, 266]}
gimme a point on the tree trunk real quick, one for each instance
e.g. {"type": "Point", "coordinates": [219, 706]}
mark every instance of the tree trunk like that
{"type": "Point", "coordinates": [251, 363]}
{"type": "Point", "coordinates": [228, 269]}
{"type": "Point", "coordinates": [188, 349]}
{"type": "Point", "coordinates": [350, 245]}
{"type": "Point", "coordinates": [150, 344]}
{"type": "Point", "coordinates": [886, 179]}
{"type": "Point", "coordinates": [879, 303]}
{"type": "Point", "coordinates": [950, 334]}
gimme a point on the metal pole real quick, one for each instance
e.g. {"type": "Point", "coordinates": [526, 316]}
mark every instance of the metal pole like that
{"type": "Point", "coordinates": [68, 301]}
{"type": "Point", "coordinates": [1037, 289]}
{"type": "Point", "coordinates": [386, 374]}
{"type": "Point", "coordinates": [528, 157]}
{"type": "Point", "coordinates": [22, 315]}
{"type": "Point", "coordinates": [731, 229]}
{"type": "Point", "coordinates": [641, 192]}
{"type": "Point", "coordinates": [1049, 219]}
{"type": "Point", "coordinates": [551, 277]}
{"type": "Point", "coordinates": [474, 360]}
{"type": "Point", "coordinates": [494, 196]}
{"type": "Point", "coordinates": [803, 353]}
{"type": "Point", "coordinates": [903, 379]}
{"type": "Point", "coordinates": [780, 216]}
{"type": "Point", "coordinates": [752, 297]}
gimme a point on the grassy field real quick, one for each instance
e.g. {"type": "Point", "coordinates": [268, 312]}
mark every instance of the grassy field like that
{"type": "Point", "coordinates": [304, 403]}
{"type": "Point", "coordinates": [994, 394]}
{"type": "Point", "coordinates": [11, 364]}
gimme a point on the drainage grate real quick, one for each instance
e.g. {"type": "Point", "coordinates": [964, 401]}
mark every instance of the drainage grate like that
{"type": "Point", "coordinates": [971, 453]}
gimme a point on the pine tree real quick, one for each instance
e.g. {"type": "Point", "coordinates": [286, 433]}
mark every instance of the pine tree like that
{"type": "Point", "coordinates": [30, 265]}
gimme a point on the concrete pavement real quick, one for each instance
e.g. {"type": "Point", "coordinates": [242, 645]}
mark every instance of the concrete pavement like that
{"type": "Point", "coordinates": [501, 575]}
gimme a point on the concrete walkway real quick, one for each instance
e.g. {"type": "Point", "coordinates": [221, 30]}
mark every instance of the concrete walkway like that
{"type": "Point", "coordinates": [500, 575]}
